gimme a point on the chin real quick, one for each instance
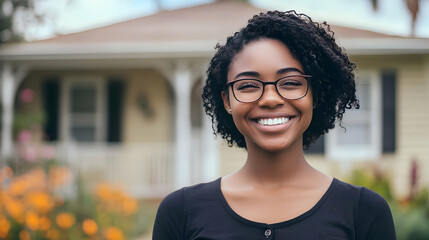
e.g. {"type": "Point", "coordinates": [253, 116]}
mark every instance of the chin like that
{"type": "Point", "coordinates": [275, 147]}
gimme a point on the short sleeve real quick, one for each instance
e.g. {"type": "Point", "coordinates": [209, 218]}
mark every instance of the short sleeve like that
{"type": "Point", "coordinates": [170, 218]}
{"type": "Point", "coordinates": [374, 218]}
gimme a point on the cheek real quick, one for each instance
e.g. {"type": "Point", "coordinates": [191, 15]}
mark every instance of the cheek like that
{"type": "Point", "coordinates": [306, 109]}
{"type": "Point", "coordinates": [239, 111]}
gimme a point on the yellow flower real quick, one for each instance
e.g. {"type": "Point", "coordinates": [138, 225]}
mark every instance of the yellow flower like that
{"type": "Point", "coordinates": [32, 220]}
{"type": "Point", "coordinates": [44, 223]}
{"type": "Point", "coordinates": [65, 220]}
{"type": "Point", "coordinates": [24, 235]}
{"type": "Point", "coordinates": [113, 233]}
{"type": "Point", "coordinates": [89, 227]}
{"type": "Point", "coordinates": [4, 227]}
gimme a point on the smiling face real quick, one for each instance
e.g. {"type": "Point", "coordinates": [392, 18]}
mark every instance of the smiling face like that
{"type": "Point", "coordinates": [272, 123]}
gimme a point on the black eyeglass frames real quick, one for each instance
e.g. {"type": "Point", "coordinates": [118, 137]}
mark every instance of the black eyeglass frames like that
{"type": "Point", "coordinates": [251, 90]}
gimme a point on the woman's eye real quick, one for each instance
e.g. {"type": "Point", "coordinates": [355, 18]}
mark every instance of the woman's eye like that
{"type": "Point", "coordinates": [244, 86]}
{"type": "Point", "coordinates": [291, 83]}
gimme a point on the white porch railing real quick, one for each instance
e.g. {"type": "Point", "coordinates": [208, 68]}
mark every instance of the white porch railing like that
{"type": "Point", "coordinates": [144, 170]}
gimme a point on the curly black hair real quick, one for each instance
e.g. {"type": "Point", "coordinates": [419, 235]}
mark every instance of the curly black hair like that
{"type": "Point", "coordinates": [313, 45]}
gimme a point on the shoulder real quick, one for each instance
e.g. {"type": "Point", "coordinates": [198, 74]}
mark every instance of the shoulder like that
{"type": "Point", "coordinates": [176, 201]}
{"type": "Point", "coordinates": [372, 201]}
{"type": "Point", "coordinates": [363, 195]}
{"type": "Point", "coordinates": [366, 200]}
{"type": "Point", "coordinates": [373, 216]}
{"type": "Point", "coordinates": [346, 192]}
{"type": "Point", "coordinates": [170, 221]}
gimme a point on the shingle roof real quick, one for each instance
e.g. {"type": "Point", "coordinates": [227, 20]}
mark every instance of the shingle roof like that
{"type": "Point", "coordinates": [185, 33]}
{"type": "Point", "coordinates": [214, 21]}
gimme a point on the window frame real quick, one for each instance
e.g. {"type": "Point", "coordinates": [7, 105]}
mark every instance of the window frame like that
{"type": "Point", "coordinates": [100, 112]}
{"type": "Point", "coordinates": [361, 152]}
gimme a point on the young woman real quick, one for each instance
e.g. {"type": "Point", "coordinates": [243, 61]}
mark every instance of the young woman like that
{"type": "Point", "coordinates": [274, 88]}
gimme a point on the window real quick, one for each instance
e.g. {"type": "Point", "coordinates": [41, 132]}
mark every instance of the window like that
{"type": "Point", "coordinates": [361, 138]}
{"type": "Point", "coordinates": [83, 110]}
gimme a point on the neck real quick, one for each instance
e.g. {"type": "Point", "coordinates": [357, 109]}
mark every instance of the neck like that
{"type": "Point", "coordinates": [275, 168]}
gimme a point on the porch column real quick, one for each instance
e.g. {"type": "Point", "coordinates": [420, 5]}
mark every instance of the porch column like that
{"type": "Point", "coordinates": [7, 96]}
{"type": "Point", "coordinates": [210, 161]}
{"type": "Point", "coordinates": [182, 86]}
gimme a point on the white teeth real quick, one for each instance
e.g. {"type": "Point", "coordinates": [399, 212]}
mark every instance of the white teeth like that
{"type": "Point", "coordinates": [273, 121]}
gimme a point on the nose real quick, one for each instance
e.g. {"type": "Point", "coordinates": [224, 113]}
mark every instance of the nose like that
{"type": "Point", "coordinates": [270, 98]}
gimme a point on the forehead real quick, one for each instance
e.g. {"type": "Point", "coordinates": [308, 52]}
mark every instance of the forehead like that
{"type": "Point", "coordinates": [264, 56]}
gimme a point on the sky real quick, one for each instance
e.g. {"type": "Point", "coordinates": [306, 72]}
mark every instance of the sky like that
{"type": "Point", "coordinates": [68, 16]}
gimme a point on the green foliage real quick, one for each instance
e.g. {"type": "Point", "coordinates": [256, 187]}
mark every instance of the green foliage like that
{"type": "Point", "coordinates": [27, 120]}
{"type": "Point", "coordinates": [374, 181]}
{"type": "Point", "coordinates": [412, 223]}
{"type": "Point", "coordinates": [10, 11]}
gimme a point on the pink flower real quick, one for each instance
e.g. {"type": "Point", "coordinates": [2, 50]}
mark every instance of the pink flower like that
{"type": "Point", "coordinates": [24, 136]}
{"type": "Point", "coordinates": [27, 95]}
{"type": "Point", "coordinates": [29, 153]}
{"type": "Point", "coordinates": [48, 152]}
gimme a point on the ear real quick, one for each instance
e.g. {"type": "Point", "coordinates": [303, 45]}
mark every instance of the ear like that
{"type": "Point", "coordinates": [226, 103]}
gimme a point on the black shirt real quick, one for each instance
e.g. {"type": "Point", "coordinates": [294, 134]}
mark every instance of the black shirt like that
{"type": "Point", "coordinates": [344, 212]}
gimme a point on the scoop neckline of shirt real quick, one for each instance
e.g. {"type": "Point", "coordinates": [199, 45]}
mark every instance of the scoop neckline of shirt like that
{"type": "Point", "coordinates": [277, 225]}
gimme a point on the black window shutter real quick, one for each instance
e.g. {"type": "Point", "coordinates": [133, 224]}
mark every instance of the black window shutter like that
{"type": "Point", "coordinates": [51, 101]}
{"type": "Point", "coordinates": [318, 147]}
{"type": "Point", "coordinates": [388, 87]}
{"type": "Point", "coordinates": [115, 94]}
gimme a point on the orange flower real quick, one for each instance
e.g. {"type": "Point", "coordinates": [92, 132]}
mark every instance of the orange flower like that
{"type": "Point", "coordinates": [113, 233]}
{"type": "Point", "coordinates": [60, 176]}
{"type": "Point", "coordinates": [44, 223]}
{"type": "Point", "coordinates": [4, 227]}
{"type": "Point", "coordinates": [24, 235]}
{"type": "Point", "coordinates": [40, 201]}
{"type": "Point", "coordinates": [36, 179]}
{"type": "Point", "coordinates": [7, 172]}
{"type": "Point", "coordinates": [129, 206]}
{"type": "Point", "coordinates": [32, 220]}
{"type": "Point", "coordinates": [65, 220]}
{"type": "Point", "coordinates": [116, 200]}
{"type": "Point", "coordinates": [15, 209]}
{"type": "Point", "coordinates": [17, 187]}
{"type": "Point", "coordinates": [52, 234]}
{"type": "Point", "coordinates": [89, 227]}
{"type": "Point", "coordinates": [103, 192]}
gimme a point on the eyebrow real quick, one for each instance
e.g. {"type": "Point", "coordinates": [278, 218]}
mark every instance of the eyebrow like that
{"type": "Point", "coordinates": [288, 70]}
{"type": "Point", "coordinates": [279, 72]}
{"type": "Point", "coordinates": [248, 74]}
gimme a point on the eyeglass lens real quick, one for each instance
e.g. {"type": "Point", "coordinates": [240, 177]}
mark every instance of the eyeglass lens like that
{"type": "Point", "coordinates": [249, 90]}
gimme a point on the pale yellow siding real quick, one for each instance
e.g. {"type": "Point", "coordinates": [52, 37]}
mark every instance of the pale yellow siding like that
{"type": "Point", "coordinates": [137, 126]}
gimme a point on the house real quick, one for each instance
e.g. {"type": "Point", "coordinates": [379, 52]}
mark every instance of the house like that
{"type": "Point", "coordinates": [122, 102]}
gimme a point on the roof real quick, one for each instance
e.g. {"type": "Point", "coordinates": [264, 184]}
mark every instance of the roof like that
{"type": "Point", "coordinates": [186, 32]}
{"type": "Point", "coordinates": [212, 21]}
